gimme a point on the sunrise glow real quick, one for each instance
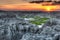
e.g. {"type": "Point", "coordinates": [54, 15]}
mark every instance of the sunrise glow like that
{"type": "Point", "coordinates": [30, 7]}
{"type": "Point", "coordinates": [49, 8]}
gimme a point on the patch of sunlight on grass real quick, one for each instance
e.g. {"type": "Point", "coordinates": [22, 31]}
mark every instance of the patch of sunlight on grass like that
{"type": "Point", "coordinates": [38, 20]}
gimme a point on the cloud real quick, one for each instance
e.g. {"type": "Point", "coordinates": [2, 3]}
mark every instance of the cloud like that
{"type": "Point", "coordinates": [29, 7]}
{"type": "Point", "coordinates": [12, 1]}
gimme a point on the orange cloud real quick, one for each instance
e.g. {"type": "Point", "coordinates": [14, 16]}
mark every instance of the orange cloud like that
{"type": "Point", "coordinates": [30, 7]}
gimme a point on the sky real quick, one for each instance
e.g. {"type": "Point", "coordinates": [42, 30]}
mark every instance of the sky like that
{"type": "Point", "coordinates": [24, 5]}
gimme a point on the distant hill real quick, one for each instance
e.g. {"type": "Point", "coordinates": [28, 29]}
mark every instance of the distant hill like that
{"type": "Point", "coordinates": [2, 10]}
{"type": "Point", "coordinates": [30, 11]}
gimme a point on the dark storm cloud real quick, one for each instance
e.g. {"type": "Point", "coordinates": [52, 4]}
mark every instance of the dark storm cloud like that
{"type": "Point", "coordinates": [40, 1]}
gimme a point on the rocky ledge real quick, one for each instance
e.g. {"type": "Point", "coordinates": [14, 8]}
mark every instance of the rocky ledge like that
{"type": "Point", "coordinates": [20, 29]}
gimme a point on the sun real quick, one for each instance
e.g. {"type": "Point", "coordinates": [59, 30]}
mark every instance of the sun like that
{"type": "Point", "coordinates": [48, 9]}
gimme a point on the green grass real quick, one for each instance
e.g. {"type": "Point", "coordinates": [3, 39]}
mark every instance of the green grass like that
{"type": "Point", "coordinates": [24, 17]}
{"type": "Point", "coordinates": [38, 20]}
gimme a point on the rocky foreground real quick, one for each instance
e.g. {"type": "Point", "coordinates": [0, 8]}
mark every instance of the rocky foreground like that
{"type": "Point", "coordinates": [15, 28]}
